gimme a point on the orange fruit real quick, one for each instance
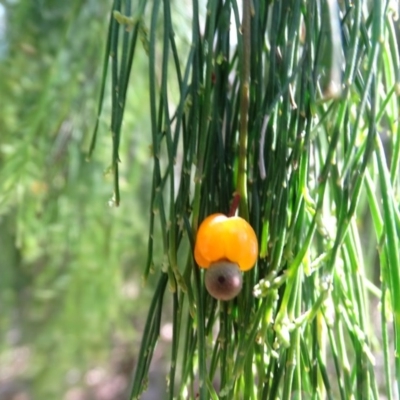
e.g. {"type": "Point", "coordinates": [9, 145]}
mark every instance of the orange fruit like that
{"type": "Point", "coordinates": [222, 238]}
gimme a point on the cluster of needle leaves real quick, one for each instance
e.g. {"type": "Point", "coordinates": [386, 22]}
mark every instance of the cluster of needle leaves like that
{"type": "Point", "coordinates": [298, 102]}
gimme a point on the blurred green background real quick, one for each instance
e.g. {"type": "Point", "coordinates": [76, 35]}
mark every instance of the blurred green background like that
{"type": "Point", "coordinates": [71, 298]}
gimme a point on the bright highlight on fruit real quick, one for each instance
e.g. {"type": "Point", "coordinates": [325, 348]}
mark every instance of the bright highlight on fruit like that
{"type": "Point", "coordinates": [226, 238]}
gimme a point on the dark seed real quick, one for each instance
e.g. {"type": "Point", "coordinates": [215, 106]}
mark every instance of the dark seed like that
{"type": "Point", "coordinates": [223, 280]}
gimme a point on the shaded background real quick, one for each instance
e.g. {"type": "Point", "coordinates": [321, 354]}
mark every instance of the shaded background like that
{"type": "Point", "coordinates": [71, 297]}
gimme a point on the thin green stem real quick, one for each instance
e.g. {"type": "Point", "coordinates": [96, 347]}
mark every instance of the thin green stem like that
{"type": "Point", "coordinates": [241, 187]}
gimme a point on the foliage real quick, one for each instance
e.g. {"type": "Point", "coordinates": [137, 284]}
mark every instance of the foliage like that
{"type": "Point", "coordinates": [294, 105]}
{"type": "Point", "coordinates": [68, 262]}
